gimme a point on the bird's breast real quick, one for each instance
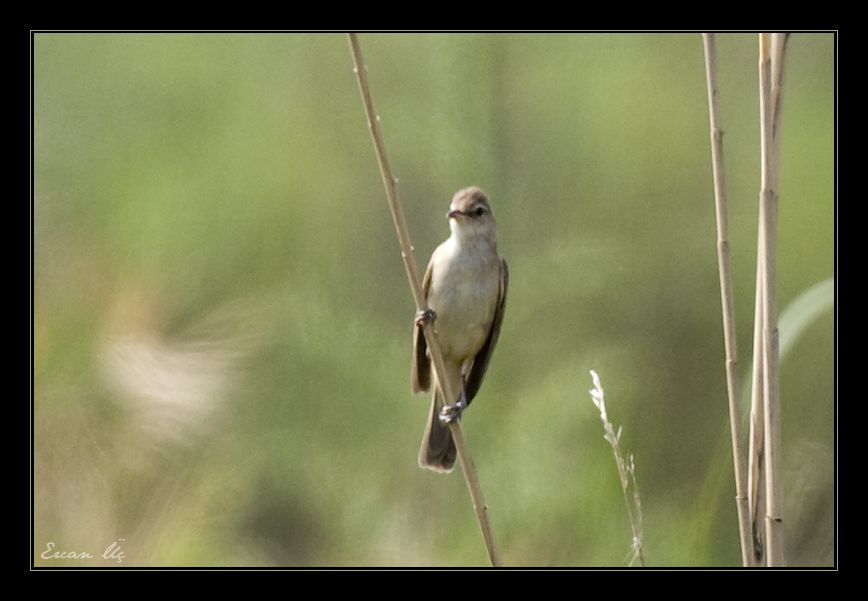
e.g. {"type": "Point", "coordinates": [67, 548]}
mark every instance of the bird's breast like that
{"type": "Point", "coordinates": [463, 292]}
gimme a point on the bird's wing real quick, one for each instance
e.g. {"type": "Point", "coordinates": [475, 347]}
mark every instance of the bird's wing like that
{"type": "Point", "coordinates": [480, 361]}
{"type": "Point", "coordinates": [420, 371]}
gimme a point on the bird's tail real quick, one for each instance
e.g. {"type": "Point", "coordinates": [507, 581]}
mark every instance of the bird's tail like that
{"type": "Point", "coordinates": [438, 449]}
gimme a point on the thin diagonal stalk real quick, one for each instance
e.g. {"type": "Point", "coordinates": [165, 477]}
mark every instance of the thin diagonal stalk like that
{"type": "Point", "coordinates": [412, 270]}
{"type": "Point", "coordinates": [756, 441]}
{"type": "Point", "coordinates": [779, 55]}
{"type": "Point", "coordinates": [733, 384]}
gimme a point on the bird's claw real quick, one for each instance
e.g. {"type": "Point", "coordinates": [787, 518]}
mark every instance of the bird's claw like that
{"type": "Point", "coordinates": [452, 413]}
{"type": "Point", "coordinates": [423, 317]}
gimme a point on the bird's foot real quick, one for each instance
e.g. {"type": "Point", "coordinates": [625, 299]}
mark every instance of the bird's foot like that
{"type": "Point", "coordinates": [452, 413]}
{"type": "Point", "coordinates": [423, 317]}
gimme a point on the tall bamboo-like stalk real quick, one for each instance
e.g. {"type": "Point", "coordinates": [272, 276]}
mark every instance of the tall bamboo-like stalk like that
{"type": "Point", "coordinates": [389, 182]}
{"type": "Point", "coordinates": [771, 69]}
{"type": "Point", "coordinates": [733, 384]}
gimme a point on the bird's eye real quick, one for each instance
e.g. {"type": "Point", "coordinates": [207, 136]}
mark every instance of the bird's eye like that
{"type": "Point", "coordinates": [480, 211]}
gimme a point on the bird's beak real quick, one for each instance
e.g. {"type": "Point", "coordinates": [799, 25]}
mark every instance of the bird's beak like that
{"type": "Point", "coordinates": [454, 214]}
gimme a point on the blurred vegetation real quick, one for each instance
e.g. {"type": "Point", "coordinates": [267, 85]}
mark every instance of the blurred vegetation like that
{"type": "Point", "coordinates": [222, 322]}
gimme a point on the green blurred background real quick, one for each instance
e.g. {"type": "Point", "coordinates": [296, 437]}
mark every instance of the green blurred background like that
{"type": "Point", "coordinates": [223, 325]}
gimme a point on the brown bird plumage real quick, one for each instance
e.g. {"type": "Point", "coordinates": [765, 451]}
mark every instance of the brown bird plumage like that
{"type": "Point", "coordinates": [465, 284]}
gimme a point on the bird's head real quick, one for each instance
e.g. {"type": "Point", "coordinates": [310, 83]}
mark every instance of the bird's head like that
{"type": "Point", "coordinates": [470, 214]}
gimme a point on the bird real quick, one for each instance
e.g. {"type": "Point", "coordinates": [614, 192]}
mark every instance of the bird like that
{"type": "Point", "coordinates": [465, 288]}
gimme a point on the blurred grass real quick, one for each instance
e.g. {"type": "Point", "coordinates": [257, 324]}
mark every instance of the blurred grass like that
{"type": "Point", "coordinates": [217, 195]}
